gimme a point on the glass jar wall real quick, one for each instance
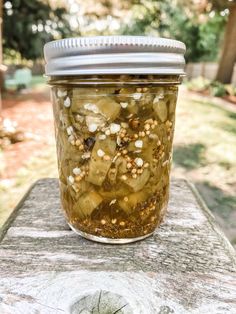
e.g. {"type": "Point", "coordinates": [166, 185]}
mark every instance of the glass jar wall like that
{"type": "Point", "coordinates": [114, 142]}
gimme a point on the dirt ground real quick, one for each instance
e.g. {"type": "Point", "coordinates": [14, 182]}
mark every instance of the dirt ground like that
{"type": "Point", "coordinates": [34, 116]}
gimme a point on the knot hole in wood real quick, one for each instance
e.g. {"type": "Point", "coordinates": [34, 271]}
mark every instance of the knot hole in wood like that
{"type": "Point", "coordinates": [101, 302]}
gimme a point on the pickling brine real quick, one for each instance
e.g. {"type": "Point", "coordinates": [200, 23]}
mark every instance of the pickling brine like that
{"type": "Point", "coordinates": [114, 144]}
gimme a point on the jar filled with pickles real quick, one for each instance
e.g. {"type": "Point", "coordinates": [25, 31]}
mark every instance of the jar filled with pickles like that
{"type": "Point", "coordinates": [114, 100]}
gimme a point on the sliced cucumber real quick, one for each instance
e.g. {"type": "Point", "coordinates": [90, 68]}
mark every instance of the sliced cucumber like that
{"type": "Point", "coordinates": [87, 203]}
{"type": "Point", "coordinates": [160, 109]}
{"type": "Point", "coordinates": [120, 190]}
{"type": "Point", "coordinates": [138, 183]}
{"type": "Point", "coordinates": [130, 202]}
{"type": "Point", "coordinates": [133, 107]}
{"type": "Point", "coordinates": [104, 107]}
{"type": "Point", "coordinates": [82, 187]}
{"type": "Point", "coordinates": [111, 176]}
{"type": "Point", "coordinates": [108, 107]}
{"type": "Point", "coordinates": [98, 167]}
{"type": "Point", "coordinates": [171, 100]}
{"type": "Point", "coordinates": [126, 94]}
{"type": "Point", "coordinates": [121, 165]}
{"type": "Point", "coordinates": [149, 147]}
{"type": "Point", "coordinates": [147, 100]}
{"type": "Point", "coordinates": [66, 198]}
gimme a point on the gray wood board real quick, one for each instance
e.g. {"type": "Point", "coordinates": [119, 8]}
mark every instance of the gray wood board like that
{"type": "Point", "coordinates": [188, 266]}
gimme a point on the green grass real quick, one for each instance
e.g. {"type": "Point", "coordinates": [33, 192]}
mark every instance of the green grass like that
{"type": "Point", "coordinates": [205, 139]}
{"type": "Point", "coordinates": [40, 166]}
{"type": "Point", "coordinates": [38, 80]}
{"type": "Point", "coordinates": [205, 153]}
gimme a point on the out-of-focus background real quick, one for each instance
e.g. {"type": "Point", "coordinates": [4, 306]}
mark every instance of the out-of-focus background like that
{"type": "Point", "coordinates": [205, 137]}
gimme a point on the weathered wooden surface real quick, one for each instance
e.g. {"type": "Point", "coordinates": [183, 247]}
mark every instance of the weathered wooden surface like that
{"type": "Point", "coordinates": [188, 266]}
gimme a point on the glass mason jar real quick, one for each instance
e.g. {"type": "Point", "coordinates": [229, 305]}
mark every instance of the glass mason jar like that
{"type": "Point", "coordinates": [114, 133]}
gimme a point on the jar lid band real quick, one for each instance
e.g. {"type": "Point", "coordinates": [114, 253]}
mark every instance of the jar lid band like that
{"type": "Point", "coordinates": [114, 55]}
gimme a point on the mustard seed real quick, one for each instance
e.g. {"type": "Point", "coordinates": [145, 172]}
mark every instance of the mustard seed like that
{"type": "Point", "coordinates": [78, 142]}
{"type": "Point", "coordinates": [106, 157]}
{"type": "Point", "coordinates": [124, 177]}
{"type": "Point", "coordinates": [147, 126]}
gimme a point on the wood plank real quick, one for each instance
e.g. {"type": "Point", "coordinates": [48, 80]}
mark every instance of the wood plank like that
{"type": "Point", "coordinates": [188, 266]}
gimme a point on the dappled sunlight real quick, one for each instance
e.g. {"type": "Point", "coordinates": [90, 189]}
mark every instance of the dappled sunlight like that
{"type": "Point", "coordinates": [205, 153]}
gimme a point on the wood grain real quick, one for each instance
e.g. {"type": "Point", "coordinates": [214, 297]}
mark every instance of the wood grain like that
{"type": "Point", "coordinates": [188, 266]}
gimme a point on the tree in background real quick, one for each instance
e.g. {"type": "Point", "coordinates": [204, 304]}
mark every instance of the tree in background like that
{"type": "Point", "coordinates": [198, 23]}
{"type": "Point", "coordinates": [28, 25]}
{"type": "Point", "coordinates": [181, 20]}
{"type": "Point", "coordinates": [1, 72]}
{"type": "Point", "coordinates": [228, 56]}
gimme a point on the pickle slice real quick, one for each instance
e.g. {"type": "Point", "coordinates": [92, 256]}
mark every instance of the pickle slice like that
{"type": "Point", "coordinates": [121, 165]}
{"type": "Point", "coordinates": [138, 183]}
{"type": "Point", "coordinates": [87, 203]}
{"type": "Point", "coordinates": [160, 110]}
{"type": "Point", "coordinates": [130, 202]}
{"type": "Point", "coordinates": [125, 94]}
{"type": "Point", "coordinates": [81, 187]}
{"type": "Point", "coordinates": [98, 166]}
{"type": "Point", "coordinates": [132, 107]}
{"type": "Point", "coordinates": [66, 197]}
{"type": "Point", "coordinates": [171, 101]}
{"type": "Point", "coordinates": [120, 190]}
{"type": "Point", "coordinates": [149, 147]}
{"type": "Point", "coordinates": [108, 108]}
{"type": "Point", "coordinates": [103, 107]}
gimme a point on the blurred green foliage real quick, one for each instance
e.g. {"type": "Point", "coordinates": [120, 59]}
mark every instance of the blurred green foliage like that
{"type": "Point", "coordinates": [173, 19]}
{"type": "Point", "coordinates": [27, 25]}
{"type": "Point", "coordinates": [214, 88]}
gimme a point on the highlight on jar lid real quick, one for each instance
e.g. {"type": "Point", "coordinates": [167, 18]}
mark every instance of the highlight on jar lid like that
{"type": "Point", "coordinates": [114, 55]}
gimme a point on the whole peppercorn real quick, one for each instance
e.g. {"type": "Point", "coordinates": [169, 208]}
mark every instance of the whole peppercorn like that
{"type": "Point", "coordinates": [134, 123]}
{"type": "Point", "coordinates": [89, 143]}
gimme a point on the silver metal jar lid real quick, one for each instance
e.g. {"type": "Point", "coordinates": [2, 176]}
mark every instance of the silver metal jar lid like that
{"type": "Point", "coordinates": [114, 55]}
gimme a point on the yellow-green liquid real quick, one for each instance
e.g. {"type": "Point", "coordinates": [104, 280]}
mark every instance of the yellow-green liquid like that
{"type": "Point", "coordinates": [114, 154]}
